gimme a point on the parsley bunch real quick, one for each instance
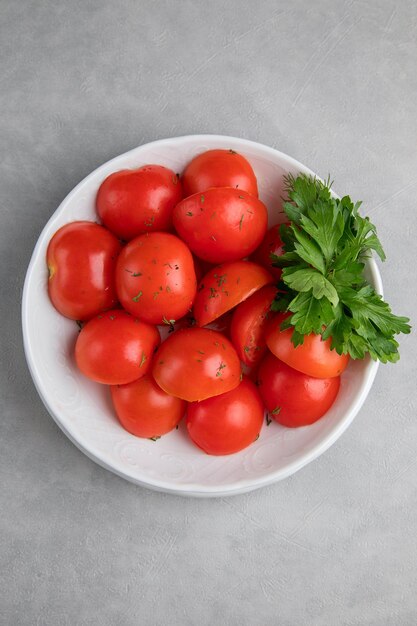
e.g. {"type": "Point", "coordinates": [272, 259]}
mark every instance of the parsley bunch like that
{"type": "Point", "coordinates": [323, 284]}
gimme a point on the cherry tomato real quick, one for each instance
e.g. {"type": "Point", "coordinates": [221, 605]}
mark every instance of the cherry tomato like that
{"type": "Point", "coordinates": [227, 423]}
{"type": "Point", "coordinates": [221, 224]}
{"type": "Point", "coordinates": [81, 258]}
{"type": "Point", "coordinates": [223, 287]}
{"type": "Point", "coordinates": [131, 202]}
{"type": "Point", "coordinates": [155, 278]}
{"type": "Point", "coordinates": [249, 321]}
{"type": "Point", "coordinates": [292, 398]}
{"type": "Point", "coordinates": [271, 244]}
{"type": "Point", "coordinates": [196, 363]}
{"type": "Point", "coordinates": [314, 357]}
{"type": "Point", "coordinates": [115, 348]}
{"type": "Point", "coordinates": [144, 409]}
{"type": "Point", "coordinates": [219, 168]}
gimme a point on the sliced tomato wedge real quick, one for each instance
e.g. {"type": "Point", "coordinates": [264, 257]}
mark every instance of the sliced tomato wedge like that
{"type": "Point", "coordinates": [225, 286]}
{"type": "Point", "coordinates": [249, 321]}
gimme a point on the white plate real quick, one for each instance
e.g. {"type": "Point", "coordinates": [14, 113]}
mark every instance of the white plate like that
{"type": "Point", "coordinates": [82, 408]}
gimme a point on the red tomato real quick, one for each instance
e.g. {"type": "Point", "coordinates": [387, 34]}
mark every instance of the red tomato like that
{"type": "Point", "coordinates": [314, 357]}
{"type": "Point", "coordinates": [131, 202]}
{"type": "Point", "coordinates": [196, 363]}
{"type": "Point", "coordinates": [81, 260]}
{"type": "Point", "coordinates": [227, 423]}
{"type": "Point", "coordinates": [144, 409]}
{"type": "Point", "coordinates": [222, 224]}
{"type": "Point", "coordinates": [155, 278]}
{"type": "Point", "coordinates": [271, 244]}
{"type": "Point", "coordinates": [219, 168]}
{"type": "Point", "coordinates": [115, 348]}
{"type": "Point", "coordinates": [249, 321]}
{"type": "Point", "coordinates": [223, 287]}
{"type": "Point", "coordinates": [292, 398]}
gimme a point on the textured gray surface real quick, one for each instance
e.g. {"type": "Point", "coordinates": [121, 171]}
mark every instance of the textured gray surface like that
{"type": "Point", "coordinates": [331, 83]}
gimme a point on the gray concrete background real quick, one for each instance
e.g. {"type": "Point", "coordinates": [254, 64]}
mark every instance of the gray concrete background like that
{"type": "Point", "coordinates": [333, 84]}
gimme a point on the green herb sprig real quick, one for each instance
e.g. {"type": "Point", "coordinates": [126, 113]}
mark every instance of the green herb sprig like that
{"type": "Point", "coordinates": [323, 284]}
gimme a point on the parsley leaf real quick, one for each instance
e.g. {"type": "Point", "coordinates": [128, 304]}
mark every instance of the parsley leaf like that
{"type": "Point", "coordinates": [307, 279]}
{"type": "Point", "coordinates": [323, 285]}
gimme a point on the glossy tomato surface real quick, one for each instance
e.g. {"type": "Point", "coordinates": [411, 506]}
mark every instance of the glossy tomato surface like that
{"type": "Point", "coordinates": [131, 202]}
{"type": "Point", "coordinates": [247, 329]}
{"type": "Point", "coordinates": [155, 278]}
{"type": "Point", "coordinates": [81, 259]}
{"type": "Point", "coordinates": [196, 363]}
{"type": "Point", "coordinates": [225, 286]}
{"type": "Point", "coordinates": [219, 168]}
{"type": "Point", "coordinates": [271, 244]}
{"type": "Point", "coordinates": [294, 399]}
{"type": "Point", "coordinates": [227, 423]}
{"type": "Point", "coordinates": [144, 409]}
{"type": "Point", "coordinates": [220, 225]}
{"type": "Point", "coordinates": [314, 357]}
{"type": "Point", "coordinates": [115, 348]}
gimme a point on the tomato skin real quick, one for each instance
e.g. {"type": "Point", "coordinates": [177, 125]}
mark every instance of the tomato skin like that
{"type": "Point", "coordinates": [222, 224]}
{"type": "Point", "coordinates": [81, 259]}
{"type": "Point", "coordinates": [196, 363]}
{"type": "Point", "coordinates": [249, 321]}
{"type": "Point", "coordinates": [314, 357]}
{"type": "Point", "coordinates": [114, 348]}
{"type": "Point", "coordinates": [131, 202]}
{"type": "Point", "coordinates": [292, 398]}
{"type": "Point", "coordinates": [155, 278]}
{"type": "Point", "coordinates": [271, 244]}
{"type": "Point", "coordinates": [227, 423]}
{"type": "Point", "coordinates": [225, 286]}
{"type": "Point", "coordinates": [144, 410]}
{"type": "Point", "coordinates": [219, 168]}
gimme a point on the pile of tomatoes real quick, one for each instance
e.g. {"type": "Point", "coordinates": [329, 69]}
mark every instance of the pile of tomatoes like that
{"type": "Point", "coordinates": [188, 258]}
